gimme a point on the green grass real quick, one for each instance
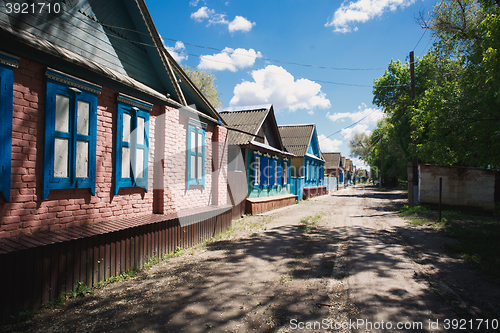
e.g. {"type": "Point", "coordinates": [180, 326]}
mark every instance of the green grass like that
{"type": "Point", "coordinates": [478, 233]}
{"type": "Point", "coordinates": [308, 223]}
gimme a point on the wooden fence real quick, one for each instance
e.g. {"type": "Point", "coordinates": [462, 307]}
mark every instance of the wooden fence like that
{"type": "Point", "coordinates": [38, 268]}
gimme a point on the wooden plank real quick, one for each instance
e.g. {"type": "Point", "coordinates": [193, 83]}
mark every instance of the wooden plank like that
{"type": "Point", "coordinates": [142, 245]}
{"type": "Point", "coordinates": [54, 270]}
{"type": "Point", "coordinates": [19, 280]}
{"type": "Point", "coordinates": [107, 256]}
{"type": "Point", "coordinates": [7, 280]}
{"type": "Point", "coordinates": [169, 236]}
{"type": "Point", "coordinates": [128, 250]}
{"type": "Point", "coordinates": [89, 267]}
{"type": "Point", "coordinates": [102, 257]}
{"type": "Point", "coordinates": [112, 254]}
{"type": "Point", "coordinates": [95, 260]}
{"type": "Point", "coordinates": [133, 256]}
{"type": "Point", "coordinates": [149, 245]}
{"type": "Point", "coordinates": [122, 252]}
{"type": "Point", "coordinates": [29, 275]}
{"type": "Point", "coordinates": [157, 240]}
{"type": "Point", "coordinates": [46, 274]}
{"type": "Point", "coordinates": [162, 238]}
{"type": "Point", "coordinates": [137, 250]}
{"type": "Point", "coordinates": [38, 277]}
{"type": "Point", "coordinates": [77, 256]}
{"type": "Point", "coordinates": [70, 260]}
{"type": "Point", "coordinates": [62, 273]}
{"type": "Point", "coordinates": [83, 261]}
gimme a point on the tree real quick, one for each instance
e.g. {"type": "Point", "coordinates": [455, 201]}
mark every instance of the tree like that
{"type": "Point", "coordinates": [360, 146]}
{"type": "Point", "coordinates": [205, 82]}
{"type": "Point", "coordinates": [455, 118]}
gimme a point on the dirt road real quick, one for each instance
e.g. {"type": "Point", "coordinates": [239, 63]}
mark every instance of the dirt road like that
{"type": "Point", "coordinates": [343, 262]}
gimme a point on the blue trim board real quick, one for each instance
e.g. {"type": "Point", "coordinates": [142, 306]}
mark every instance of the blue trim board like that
{"type": "Point", "coordinates": [6, 100]}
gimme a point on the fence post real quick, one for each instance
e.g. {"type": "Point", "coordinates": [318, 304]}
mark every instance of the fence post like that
{"type": "Point", "coordinates": [411, 201]}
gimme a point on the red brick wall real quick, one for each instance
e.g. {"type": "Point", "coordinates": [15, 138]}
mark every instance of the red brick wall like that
{"type": "Point", "coordinates": [27, 213]}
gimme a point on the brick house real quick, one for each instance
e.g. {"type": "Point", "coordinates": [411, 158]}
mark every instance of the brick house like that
{"type": "Point", "coordinates": [308, 163]}
{"type": "Point", "coordinates": [109, 154]}
{"type": "Point", "coordinates": [256, 149]}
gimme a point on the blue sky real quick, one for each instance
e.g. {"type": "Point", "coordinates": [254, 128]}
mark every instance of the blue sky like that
{"type": "Point", "coordinates": [253, 48]}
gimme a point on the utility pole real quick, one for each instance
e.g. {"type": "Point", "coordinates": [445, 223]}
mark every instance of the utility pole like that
{"type": "Point", "coordinates": [381, 162]}
{"type": "Point", "coordinates": [411, 202]}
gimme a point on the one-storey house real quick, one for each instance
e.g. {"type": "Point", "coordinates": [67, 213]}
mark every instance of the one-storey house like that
{"type": "Point", "coordinates": [333, 167]}
{"type": "Point", "coordinates": [308, 164]}
{"type": "Point", "coordinates": [109, 153]}
{"type": "Point", "coordinates": [256, 149]}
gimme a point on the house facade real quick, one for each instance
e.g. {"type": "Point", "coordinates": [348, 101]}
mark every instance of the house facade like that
{"type": "Point", "coordinates": [308, 164]}
{"type": "Point", "coordinates": [256, 149]}
{"type": "Point", "coordinates": [332, 167]}
{"type": "Point", "coordinates": [110, 154]}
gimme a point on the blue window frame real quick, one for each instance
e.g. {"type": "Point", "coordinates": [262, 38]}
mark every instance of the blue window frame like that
{"type": "Point", "coordinates": [196, 154]}
{"type": "Point", "coordinates": [256, 168]}
{"type": "Point", "coordinates": [7, 63]}
{"type": "Point", "coordinates": [132, 143]}
{"type": "Point", "coordinates": [272, 171]}
{"type": "Point", "coordinates": [265, 174]}
{"type": "Point", "coordinates": [277, 172]}
{"type": "Point", "coordinates": [285, 173]}
{"type": "Point", "coordinates": [70, 133]}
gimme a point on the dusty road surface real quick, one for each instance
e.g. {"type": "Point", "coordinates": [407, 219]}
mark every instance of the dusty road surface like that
{"type": "Point", "coordinates": [339, 263]}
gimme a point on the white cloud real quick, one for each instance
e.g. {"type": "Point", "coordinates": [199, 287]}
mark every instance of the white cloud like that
{"type": "Point", "coordinates": [202, 13]}
{"type": "Point", "coordinates": [348, 133]}
{"type": "Point", "coordinates": [365, 116]}
{"type": "Point", "coordinates": [194, 3]}
{"type": "Point", "coordinates": [229, 59]}
{"type": "Point", "coordinates": [174, 51]}
{"type": "Point", "coordinates": [240, 24]}
{"type": "Point", "coordinates": [368, 116]}
{"type": "Point", "coordinates": [274, 85]}
{"type": "Point", "coordinates": [217, 19]}
{"type": "Point", "coordinates": [328, 146]}
{"type": "Point", "coordinates": [361, 11]}
{"type": "Point", "coordinates": [360, 164]}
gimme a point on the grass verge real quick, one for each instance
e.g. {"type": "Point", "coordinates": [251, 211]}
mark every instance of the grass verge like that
{"type": "Point", "coordinates": [478, 233]}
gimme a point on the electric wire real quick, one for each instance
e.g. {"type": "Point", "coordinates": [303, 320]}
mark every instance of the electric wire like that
{"type": "Point", "coordinates": [353, 124]}
{"type": "Point", "coordinates": [213, 60]}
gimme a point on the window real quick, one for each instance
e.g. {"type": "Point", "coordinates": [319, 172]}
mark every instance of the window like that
{"type": "Point", "coordinates": [285, 173]}
{"type": "Point", "coordinates": [70, 133]}
{"type": "Point", "coordinates": [266, 172]}
{"type": "Point", "coordinates": [196, 154]}
{"type": "Point", "coordinates": [132, 143]}
{"type": "Point", "coordinates": [275, 172]}
{"type": "Point", "coordinates": [6, 99]}
{"type": "Point", "coordinates": [256, 167]}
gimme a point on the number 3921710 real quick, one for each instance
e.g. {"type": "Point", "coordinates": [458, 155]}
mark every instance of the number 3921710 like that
{"type": "Point", "coordinates": [32, 8]}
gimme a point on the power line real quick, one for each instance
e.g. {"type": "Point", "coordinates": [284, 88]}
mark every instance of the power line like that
{"type": "Point", "coordinates": [250, 56]}
{"type": "Point", "coordinates": [213, 60]}
{"type": "Point", "coordinates": [355, 123]}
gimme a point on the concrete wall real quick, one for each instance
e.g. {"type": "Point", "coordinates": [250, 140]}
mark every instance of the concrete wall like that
{"type": "Point", "coordinates": [466, 187]}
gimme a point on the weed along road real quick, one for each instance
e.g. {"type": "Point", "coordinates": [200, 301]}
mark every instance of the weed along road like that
{"type": "Point", "coordinates": [344, 263]}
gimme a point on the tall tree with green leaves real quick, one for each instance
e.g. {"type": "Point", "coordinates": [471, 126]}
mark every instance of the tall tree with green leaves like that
{"type": "Point", "coordinates": [456, 117]}
{"type": "Point", "coordinates": [205, 82]}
